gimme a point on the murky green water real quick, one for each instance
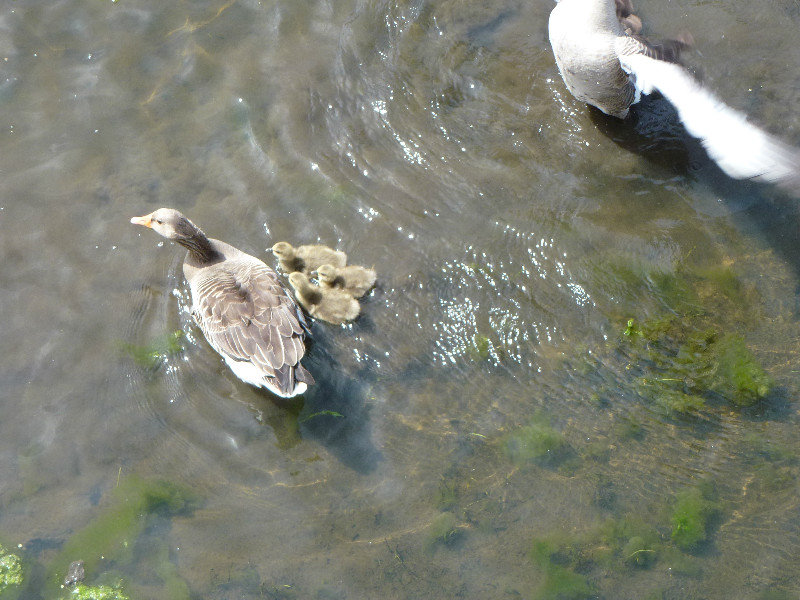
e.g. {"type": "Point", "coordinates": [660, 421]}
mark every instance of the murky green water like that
{"type": "Point", "coordinates": [577, 374]}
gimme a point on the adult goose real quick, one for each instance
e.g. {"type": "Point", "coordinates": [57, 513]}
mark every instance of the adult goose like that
{"type": "Point", "coordinates": [245, 313]}
{"type": "Point", "coordinates": [307, 258]}
{"type": "Point", "coordinates": [607, 67]}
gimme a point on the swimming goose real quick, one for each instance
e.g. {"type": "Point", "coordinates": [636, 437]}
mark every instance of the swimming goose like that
{"type": "Point", "coordinates": [331, 305]}
{"type": "Point", "coordinates": [353, 279]}
{"type": "Point", "coordinates": [307, 258]}
{"type": "Point", "coordinates": [606, 67]}
{"type": "Point", "coordinates": [244, 312]}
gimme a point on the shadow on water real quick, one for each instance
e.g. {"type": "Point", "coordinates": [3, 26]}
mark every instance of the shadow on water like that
{"type": "Point", "coordinates": [335, 410]}
{"type": "Point", "coordinates": [653, 131]}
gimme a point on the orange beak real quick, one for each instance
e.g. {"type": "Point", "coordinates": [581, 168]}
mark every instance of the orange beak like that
{"type": "Point", "coordinates": [146, 220]}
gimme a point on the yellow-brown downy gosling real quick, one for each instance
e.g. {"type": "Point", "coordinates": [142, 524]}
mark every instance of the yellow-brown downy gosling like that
{"type": "Point", "coordinates": [353, 279]}
{"type": "Point", "coordinates": [307, 258]}
{"type": "Point", "coordinates": [331, 305]}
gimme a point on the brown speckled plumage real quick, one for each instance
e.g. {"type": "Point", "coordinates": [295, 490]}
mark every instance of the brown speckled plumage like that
{"type": "Point", "coordinates": [239, 303]}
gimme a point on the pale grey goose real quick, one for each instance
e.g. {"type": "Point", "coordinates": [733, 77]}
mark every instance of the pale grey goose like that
{"type": "Point", "coordinates": [331, 305]}
{"type": "Point", "coordinates": [353, 279]}
{"type": "Point", "coordinates": [606, 67]}
{"type": "Point", "coordinates": [307, 258]}
{"type": "Point", "coordinates": [240, 305]}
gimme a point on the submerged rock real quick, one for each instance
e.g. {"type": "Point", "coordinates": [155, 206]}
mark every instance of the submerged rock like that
{"type": "Point", "coordinates": [75, 573]}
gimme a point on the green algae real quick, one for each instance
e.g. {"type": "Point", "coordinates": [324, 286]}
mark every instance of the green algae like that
{"type": "Point", "coordinates": [112, 534]}
{"type": "Point", "coordinates": [11, 574]}
{"type": "Point", "coordinates": [682, 369]}
{"type": "Point", "coordinates": [328, 413]}
{"type": "Point", "coordinates": [562, 584]}
{"type": "Point", "coordinates": [99, 592]}
{"type": "Point", "coordinates": [629, 428]}
{"type": "Point", "coordinates": [443, 530]}
{"type": "Point", "coordinates": [755, 445]}
{"type": "Point", "coordinates": [446, 496]}
{"type": "Point", "coordinates": [632, 542]}
{"type": "Point", "coordinates": [682, 354]}
{"type": "Point", "coordinates": [776, 594]}
{"type": "Point", "coordinates": [639, 552]}
{"type": "Point", "coordinates": [557, 560]}
{"type": "Point", "coordinates": [478, 349]}
{"type": "Point", "coordinates": [175, 587]}
{"type": "Point", "coordinates": [538, 443]}
{"type": "Point", "coordinates": [737, 375]}
{"type": "Point", "coordinates": [691, 517]}
{"type": "Point", "coordinates": [680, 563]}
{"type": "Point", "coordinates": [153, 355]}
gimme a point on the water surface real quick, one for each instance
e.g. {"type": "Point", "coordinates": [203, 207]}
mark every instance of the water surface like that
{"type": "Point", "coordinates": [515, 232]}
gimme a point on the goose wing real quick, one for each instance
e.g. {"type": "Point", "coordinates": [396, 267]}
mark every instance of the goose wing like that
{"type": "Point", "coordinates": [741, 149]}
{"type": "Point", "coordinates": [246, 315]}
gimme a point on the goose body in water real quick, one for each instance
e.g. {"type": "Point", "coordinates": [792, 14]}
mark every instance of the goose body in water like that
{"type": "Point", "coordinates": [307, 258]}
{"type": "Point", "coordinates": [353, 279]}
{"type": "Point", "coordinates": [331, 305]}
{"type": "Point", "coordinates": [245, 313]}
{"type": "Point", "coordinates": [609, 68]}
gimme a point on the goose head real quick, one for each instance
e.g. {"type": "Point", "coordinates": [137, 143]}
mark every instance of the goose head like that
{"type": "Point", "coordinates": [169, 223]}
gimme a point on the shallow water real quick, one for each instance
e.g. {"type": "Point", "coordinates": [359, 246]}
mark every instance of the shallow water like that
{"type": "Point", "coordinates": [515, 233]}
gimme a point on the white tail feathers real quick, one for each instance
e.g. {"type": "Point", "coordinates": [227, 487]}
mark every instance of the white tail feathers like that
{"type": "Point", "coordinates": [740, 148]}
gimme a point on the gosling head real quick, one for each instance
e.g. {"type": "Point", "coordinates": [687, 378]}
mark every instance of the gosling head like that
{"type": "Point", "coordinates": [283, 250]}
{"type": "Point", "coordinates": [327, 273]}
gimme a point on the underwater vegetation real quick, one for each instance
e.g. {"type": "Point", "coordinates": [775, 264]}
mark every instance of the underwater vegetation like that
{"type": "Point", "coordinates": [757, 446]}
{"type": "Point", "coordinates": [443, 530]}
{"type": "Point", "coordinates": [100, 592]}
{"type": "Point", "coordinates": [11, 574]}
{"type": "Point", "coordinates": [113, 534]}
{"type": "Point", "coordinates": [680, 368]}
{"type": "Point", "coordinates": [536, 443]}
{"type": "Point", "coordinates": [152, 355]}
{"type": "Point", "coordinates": [558, 559]}
{"type": "Point", "coordinates": [573, 565]}
{"type": "Point", "coordinates": [680, 346]}
{"type": "Point", "coordinates": [691, 516]}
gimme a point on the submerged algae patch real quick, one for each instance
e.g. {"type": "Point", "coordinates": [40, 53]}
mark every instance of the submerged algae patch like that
{"type": "Point", "coordinates": [682, 353]}
{"type": "Point", "coordinates": [682, 367]}
{"type": "Point", "coordinates": [691, 516]}
{"type": "Point", "coordinates": [152, 355]}
{"type": "Point", "coordinates": [538, 442]}
{"type": "Point", "coordinates": [557, 560]}
{"type": "Point", "coordinates": [11, 572]}
{"type": "Point", "coordinates": [443, 530]}
{"type": "Point", "coordinates": [114, 532]}
{"type": "Point", "coordinates": [737, 375]}
{"type": "Point", "coordinates": [99, 592]}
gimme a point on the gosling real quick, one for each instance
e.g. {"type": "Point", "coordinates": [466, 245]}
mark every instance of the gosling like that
{"type": "Point", "coordinates": [354, 280]}
{"type": "Point", "coordinates": [331, 305]}
{"type": "Point", "coordinates": [307, 258]}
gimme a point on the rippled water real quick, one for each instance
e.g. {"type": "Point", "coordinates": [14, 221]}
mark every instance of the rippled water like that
{"type": "Point", "coordinates": [515, 233]}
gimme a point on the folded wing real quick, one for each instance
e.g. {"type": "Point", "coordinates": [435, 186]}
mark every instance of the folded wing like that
{"type": "Point", "coordinates": [740, 148]}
